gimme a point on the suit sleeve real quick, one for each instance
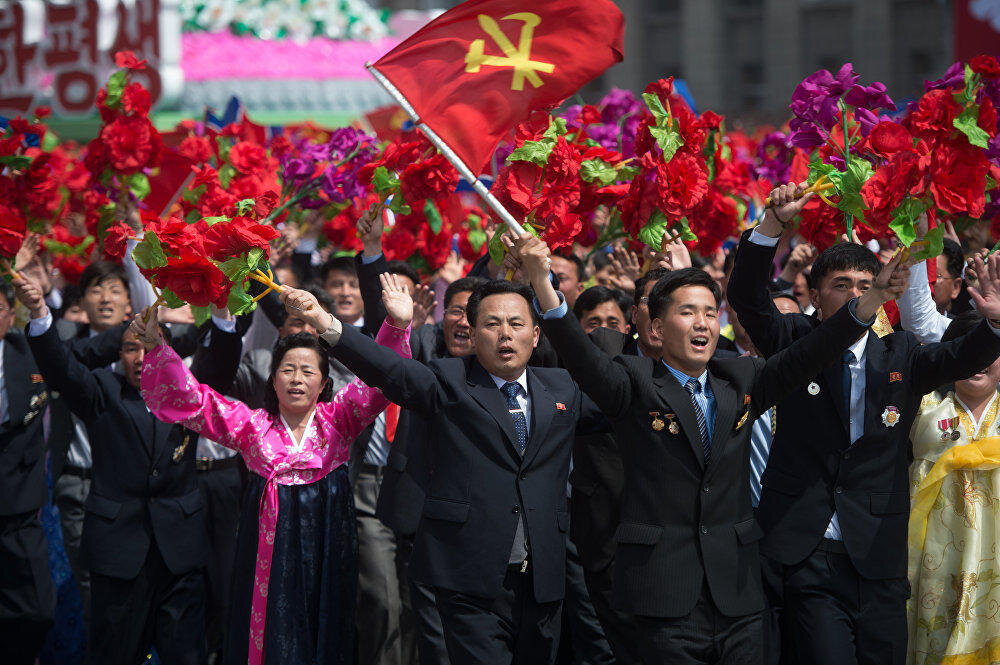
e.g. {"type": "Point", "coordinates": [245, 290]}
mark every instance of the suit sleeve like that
{"type": "Point", "coordinates": [67, 375]}
{"type": "Point", "coordinates": [605, 381]}
{"type": "Point", "coordinates": [215, 365]}
{"type": "Point", "coordinates": [933, 365]}
{"type": "Point", "coordinates": [100, 350]}
{"type": "Point", "coordinates": [404, 381]}
{"type": "Point", "coordinates": [769, 330]}
{"type": "Point", "coordinates": [371, 292]}
{"type": "Point", "coordinates": [787, 370]}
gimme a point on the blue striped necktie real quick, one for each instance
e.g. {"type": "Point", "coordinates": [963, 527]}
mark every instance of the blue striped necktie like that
{"type": "Point", "coordinates": [510, 391]}
{"type": "Point", "coordinates": [694, 387]}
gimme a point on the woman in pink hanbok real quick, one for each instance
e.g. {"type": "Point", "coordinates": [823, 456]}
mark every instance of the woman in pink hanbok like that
{"type": "Point", "coordinates": [295, 574]}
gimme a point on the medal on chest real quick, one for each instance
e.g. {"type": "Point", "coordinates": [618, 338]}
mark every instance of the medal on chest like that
{"type": "Point", "coordinates": [179, 450]}
{"type": "Point", "coordinates": [890, 417]}
{"type": "Point", "coordinates": [949, 429]}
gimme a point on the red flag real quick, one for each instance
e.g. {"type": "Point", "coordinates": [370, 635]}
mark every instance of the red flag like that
{"type": "Point", "coordinates": [386, 122]}
{"type": "Point", "coordinates": [476, 71]}
{"type": "Point", "coordinates": [173, 174]}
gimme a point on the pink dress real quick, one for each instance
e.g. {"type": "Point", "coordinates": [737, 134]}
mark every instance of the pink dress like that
{"type": "Point", "coordinates": [265, 441]}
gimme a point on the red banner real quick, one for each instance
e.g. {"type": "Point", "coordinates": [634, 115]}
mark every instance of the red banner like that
{"type": "Point", "coordinates": [977, 28]}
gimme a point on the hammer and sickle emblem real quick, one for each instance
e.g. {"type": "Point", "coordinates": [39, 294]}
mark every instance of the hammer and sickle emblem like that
{"type": "Point", "coordinates": [518, 58]}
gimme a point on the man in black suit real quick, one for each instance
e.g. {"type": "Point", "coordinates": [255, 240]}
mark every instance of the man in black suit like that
{"type": "Point", "coordinates": [687, 563]}
{"type": "Point", "coordinates": [27, 594]}
{"type": "Point", "coordinates": [835, 500]}
{"type": "Point", "coordinates": [492, 538]}
{"type": "Point", "coordinates": [144, 539]}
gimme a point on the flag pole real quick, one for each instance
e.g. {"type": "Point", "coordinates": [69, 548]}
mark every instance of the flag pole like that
{"type": "Point", "coordinates": [446, 150]}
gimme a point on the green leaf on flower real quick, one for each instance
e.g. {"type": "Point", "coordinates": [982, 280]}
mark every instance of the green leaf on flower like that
{"type": "Point", "coordinates": [968, 123]}
{"type": "Point", "coordinates": [932, 245]}
{"type": "Point", "coordinates": [383, 181]}
{"type": "Point", "coordinates": [173, 301]}
{"type": "Point", "coordinates": [904, 220]}
{"type": "Point", "coordinates": [16, 162]}
{"type": "Point", "coordinates": [399, 207]}
{"type": "Point", "coordinates": [818, 168]}
{"type": "Point", "coordinates": [536, 152]}
{"type": "Point", "coordinates": [50, 141]}
{"type": "Point", "coordinates": [240, 302]}
{"type": "Point", "coordinates": [214, 220]}
{"type": "Point", "coordinates": [138, 184]}
{"type": "Point", "coordinates": [192, 217]}
{"type": "Point", "coordinates": [476, 238]}
{"type": "Point", "coordinates": [598, 170]}
{"type": "Point", "coordinates": [236, 268]}
{"type": "Point", "coordinates": [149, 253]}
{"type": "Point", "coordinates": [245, 207]}
{"type": "Point", "coordinates": [226, 175]}
{"type": "Point", "coordinates": [116, 84]}
{"type": "Point", "coordinates": [968, 94]}
{"type": "Point", "coordinates": [628, 172]}
{"type": "Point", "coordinates": [669, 140]}
{"type": "Point", "coordinates": [433, 216]}
{"type": "Point", "coordinates": [652, 233]}
{"type": "Point", "coordinates": [557, 128]}
{"type": "Point", "coordinates": [655, 107]}
{"type": "Point", "coordinates": [201, 314]}
{"type": "Point", "coordinates": [254, 257]}
{"type": "Point", "coordinates": [495, 246]}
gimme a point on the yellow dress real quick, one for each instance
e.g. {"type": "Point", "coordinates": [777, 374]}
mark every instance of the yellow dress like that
{"type": "Point", "coordinates": [954, 536]}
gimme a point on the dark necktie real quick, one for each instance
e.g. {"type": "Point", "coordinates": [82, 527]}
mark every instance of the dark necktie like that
{"type": "Point", "coordinates": [510, 391]}
{"type": "Point", "coordinates": [694, 387]}
{"type": "Point", "coordinates": [846, 361]}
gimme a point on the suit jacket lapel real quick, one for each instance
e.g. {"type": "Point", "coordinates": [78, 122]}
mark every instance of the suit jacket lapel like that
{"type": "Point", "coordinates": [679, 400]}
{"type": "Point", "coordinates": [726, 406]}
{"type": "Point", "coordinates": [141, 418]}
{"type": "Point", "coordinates": [484, 390]}
{"type": "Point", "coordinates": [17, 383]}
{"type": "Point", "coordinates": [543, 409]}
{"type": "Point", "coordinates": [833, 377]}
{"type": "Point", "coordinates": [876, 377]}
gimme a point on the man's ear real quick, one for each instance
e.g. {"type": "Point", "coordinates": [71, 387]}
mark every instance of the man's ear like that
{"type": "Point", "coordinates": [537, 333]}
{"type": "Point", "coordinates": [814, 299]}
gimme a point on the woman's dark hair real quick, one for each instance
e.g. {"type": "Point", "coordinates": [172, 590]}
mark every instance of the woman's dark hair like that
{"type": "Point", "coordinates": [662, 293]}
{"type": "Point", "coordinates": [843, 256]}
{"type": "Point", "coordinates": [286, 344]}
{"type": "Point", "coordinates": [492, 288]}
{"type": "Point", "coordinates": [962, 324]}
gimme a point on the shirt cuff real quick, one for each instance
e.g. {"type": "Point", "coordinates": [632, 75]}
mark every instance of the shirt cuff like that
{"type": "Point", "coordinates": [306, 246]}
{"type": "Point", "coordinates": [996, 331]}
{"type": "Point", "coordinates": [332, 334]}
{"type": "Point", "coordinates": [225, 325]}
{"type": "Point", "coordinates": [366, 260]}
{"type": "Point", "coordinates": [852, 307]}
{"type": "Point", "coordinates": [556, 312]}
{"type": "Point", "coordinates": [38, 327]}
{"type": "Point", "coordinates": [758, 238]}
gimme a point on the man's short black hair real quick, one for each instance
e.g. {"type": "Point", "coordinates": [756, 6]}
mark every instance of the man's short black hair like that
{"type": "Point", "coordinates": [461, 285]}
{"type": "Point", "coordinates": [7, 291]}
{"type": "Point", "coordinates": [954, 258]}
{"type": "Point", "coordinates": [492, 288]}
{"type": "Point", "coordinates": [662, 293]}
{"type": "Point", "coordinates": [598, 295]}
{"type": "Point", "coordinates": [343, 264]}
{"type": "Point", "coordinates": [787, 296]}
{"type": "Point", "coordinates": [843, 256]}
{"type": "Point", "coordinates": [729, 261]}
{"type": "Point", "coordinates": [601, 260]}
{"type": "Point", "coordinates": [581, 267]}
{"type": "Point", "coordinates": [654, 275]}
{"type": "Point", "coordinates": [405, 269]}
{"type": "Point", "coordinates": [962, 324]}
{"type": "Point", "coordinates": [99, 271]}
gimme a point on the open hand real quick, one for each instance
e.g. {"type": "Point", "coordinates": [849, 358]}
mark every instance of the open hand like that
{"type": "Point", "coordinates": [986, 293]}
{"type": "Point", "coordinates": [423, 304]}
{"type": "Point", "coordinates": [397, 300]}
{"type": "Point", "coordinates": [626, 267]}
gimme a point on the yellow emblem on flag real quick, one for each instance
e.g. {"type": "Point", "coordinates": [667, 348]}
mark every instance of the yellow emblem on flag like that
{"type": "Point", "coordinates": [518, 58]}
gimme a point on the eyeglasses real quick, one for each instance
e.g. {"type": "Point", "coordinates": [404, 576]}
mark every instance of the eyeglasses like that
{"type": "Point", "coordinates": [644, 300]}
{"type": "Point", "coordinates": [455, 312]}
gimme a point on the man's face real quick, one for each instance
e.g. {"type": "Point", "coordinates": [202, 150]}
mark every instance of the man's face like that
{"type": "Point", "coordinates": [801, 290]}
{"type": "Point", "coordinates": [457, 333]}
{"type": "Point", "coordinates": [504, 335]}
{"type": "Point", "coordinates": [403, 280]}
{"type": "Point", "coordinates": [605, 277]}
{"type": "Point", "coordinates": [606, 315]}
{"type": "Point", "coordinates": [6, 316]}
{"type": "Point", "coordinates": [295, 324]}
{"type": "Point", "coordinates": [642, 322]}
{"type": "Point", "coordinates": [837, 288]}
{"type": "Point", "coordinates": [131, 356]}
{"type": "Point", "coordinates": [569, 282]}
{"type": "Point", "coordinates": [947, 286]}
{"type": "Point", "coordinates": [689, 329]}
{"type": "Point", "coordinates": [76, 314]}
{"type": "Point", "coordinates": [343, 286]}
{"type": "Point", "coordinates": [106, 303]}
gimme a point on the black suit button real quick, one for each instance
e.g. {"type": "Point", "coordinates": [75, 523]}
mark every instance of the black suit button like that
{"type": "Point", "coordinates": [704, 529]}
{"type": "Point", "coordinates": [706, 489]}
{"type": "Point", "coordinates": [847, 455]}
{"type": "Point", "coordinates": [152, 499]}
{"type": "Point", "coordinates": [515, 509]}
{"type": "Point", "coordinates": [524, 476]}
{"type": "Point", "coordinates": [156, 472]}
{"type": "Point", "coordinates": [839, 490]}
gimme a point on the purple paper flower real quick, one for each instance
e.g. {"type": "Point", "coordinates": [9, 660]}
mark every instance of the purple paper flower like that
{"type": "Point", "coordinates": [993, 204]}
{"type": "Point", "coordinates": [816, 99]}
{"type": "Point", "coordinates": [618, 104]}
{"type": "Point", "coordinates": [872, 98]}
{"type": "Point", "coordinates": [993, 150]}
{"type": "Point", "coordinates": [774, 155]}
{"type": "Point", "coordinates": [805, 135]}
{"type": "Point", "coordinates": [953, 78]}
{"type": "Point", "coordinates": [867, 119]}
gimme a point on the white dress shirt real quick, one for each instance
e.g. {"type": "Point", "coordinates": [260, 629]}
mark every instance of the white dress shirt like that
{"type": "Point", "coordinates": [917, 309]}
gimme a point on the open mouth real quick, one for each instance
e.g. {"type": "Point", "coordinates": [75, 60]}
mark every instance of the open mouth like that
{"type": "Point", "coordinates": [105, 311]}
{"type": "Point", "coordinates": [461, 336]}
{"type": "Point", "coordinates": [699, 342]}
{"type": "Point", "coordinates": [296, 392]}
{"type": "Point", "coordinates": [506, 353]}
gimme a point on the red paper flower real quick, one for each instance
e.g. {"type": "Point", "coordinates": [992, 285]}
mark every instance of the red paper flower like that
{"type": "Point", "coordinates": [69, 266]}
{"type": "Point", "coordinates": [821, 224]}
{"type": "Point", "coordinates": [136, 99]}
{"type": "Point", "coordinates": [194, 279]}
{"type": "Point", "coordinates": [399, 244]}
{"type": "Point", "coordinates": [713, 221]}
{"type": "Point", "coordinates": [225, 240]}
{"type": "Point", "coordinates": [433, 178]}
{"type": "Point", "coordinates": [934, 115]}
{"type": "Point", "coordinates": [683, 183]}
{"type": "Point", "coordinates": [131, 143]}
{"type": "Point", "coordinates": [177, 236]}
{"type": "Point", "coordinates": [890, 137]}
{"type": "Point", "coordinates": [885, 190]}
{"type": "Point", "coordinates": [115, 240]}
{"type": "Point", "coordinates": [12, 229]}
{"type": "Point", "coordinates": [248, 158]}
{"type": "Point", "coordinates": [955, 177]}
{"type": "Point", "coordinates": [197, 148]}
{"type": "Point", "coordinates": [986, 65]}
{"type": "Point", "coordinates": [128, 60]}
{"type": "Point", "coordinates": [663, 89]}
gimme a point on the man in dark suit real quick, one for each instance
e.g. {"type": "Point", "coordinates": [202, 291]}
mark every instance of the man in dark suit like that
{"type": "Point", "coordinates": [492, 538]}
{"type": "Point", "coordinates": [27, 595]}
{"type": "Point", "coordinates": [835, 499]}
{"type": "Point", "coordinates": [687, 563]}
{"type": "Point", "coordinates": [144, 538]}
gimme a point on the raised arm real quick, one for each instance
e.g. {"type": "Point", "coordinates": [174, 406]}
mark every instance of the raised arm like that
{"type": "Point", "coordinates": [216, 360]}
{"type": "Point", "coordinates": [371, 263]}
{"type": "Point", "coordinates": [604, 380]}
{"type": "Point", "coordinates": [917, 311]}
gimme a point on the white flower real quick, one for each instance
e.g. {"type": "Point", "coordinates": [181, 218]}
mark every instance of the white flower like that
{"type": "Point", "coordinates": [216, 15]}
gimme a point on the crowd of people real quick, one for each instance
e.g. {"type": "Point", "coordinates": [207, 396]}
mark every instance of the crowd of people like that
{"type": "Point", "coordinates": [573, 458]}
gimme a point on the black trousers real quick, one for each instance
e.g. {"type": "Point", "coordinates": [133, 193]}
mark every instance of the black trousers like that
{"type": "Point", "coordinates": [27, 594]}
{"type": "Point", "coordinates": [619, 627]}
{"type": "Point", "coordinates": [583, 641]}
{"type": "Point", "coordinates": [833, 616]}
{"type": "Point", "coordinates": [431, 648]}
{"type": "Point", "coordinates": [156, 608]}
{"type": "Point", "coordinates": [513, 629]}
{"type": "Point", "coordinates": [704, 637]}
{"type": "Point", "coordinates": [221, 489]}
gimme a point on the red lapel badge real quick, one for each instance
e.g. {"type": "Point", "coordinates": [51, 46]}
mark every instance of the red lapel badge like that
{"type": "Point", "coordinates": [746, 400]}
{"type": "Point", "coordinates": [895, 376]}
{"type": "Point", "coordinates": [560, 406]}
{"type": "Point", "coordinates": [36, 378]}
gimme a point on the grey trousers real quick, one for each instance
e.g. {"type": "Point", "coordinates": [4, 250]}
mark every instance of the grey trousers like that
{"type": "Point", "coordinates": [70, 493]}
{"type": "Point", "coordinates": [384, 615]}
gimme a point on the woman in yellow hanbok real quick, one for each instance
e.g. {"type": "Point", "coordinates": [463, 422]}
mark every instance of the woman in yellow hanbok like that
{"type": "Point", "coordinates": [954, 535]}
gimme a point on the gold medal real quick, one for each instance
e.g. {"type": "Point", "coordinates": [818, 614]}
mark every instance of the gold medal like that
{"type": "Point", "coordinates": [674, 428]}
{"type": "Point", "coordinates": [658, 423]}
{"type": "Point", "coordinates": [179, 450]}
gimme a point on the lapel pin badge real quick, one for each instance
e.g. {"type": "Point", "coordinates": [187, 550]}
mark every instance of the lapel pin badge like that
{"type": "Point", "coordinates": [36, 378]}
{"type": "Point", "coordinates": [746, 400]}
{"type": "Point", "coordinates": [890, 417]}
{"type": "Point", "coordinates": [674, 428]}
{"type": "Point", "coordinates": [813, 389]}
{"type": "Point", "coordinates": [742, 420]}
{"type": "Point", "coordinates": [179, 450]}
{"type": "Point", "coordinates": [560, 406]}
{"type": "Point", "coordinates": [895, 377]}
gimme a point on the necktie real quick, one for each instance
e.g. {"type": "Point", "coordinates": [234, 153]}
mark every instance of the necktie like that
{"type": "Point", "coordinates": [510, 391]}
{"type": "Point", "coordinates": [694, 387]}
{"type": "Point", "coordinates": [847, 359]}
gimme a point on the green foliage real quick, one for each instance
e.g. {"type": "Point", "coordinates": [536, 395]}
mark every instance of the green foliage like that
{"type": "Point", "coordinates": [138, 184]}
{"type": "Point", "coordinates": [931, 246]}
{"type": "Point", "coordinates": [598, 170]}
{"type": "Point", "coordinates": [116, 85]}
{"type": "Point", "coordinates": [652, 233]}
{"type": "Point", "coordinates": [201, 314]}
{"type": "Point", "coordinates": [149, 254]}
{"type": "Point", "coordinates": [968, 123]}
{"type": "Point", "coordinates": [904, 219]}
{"type": "Point", "coordinates": [433, 216]}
